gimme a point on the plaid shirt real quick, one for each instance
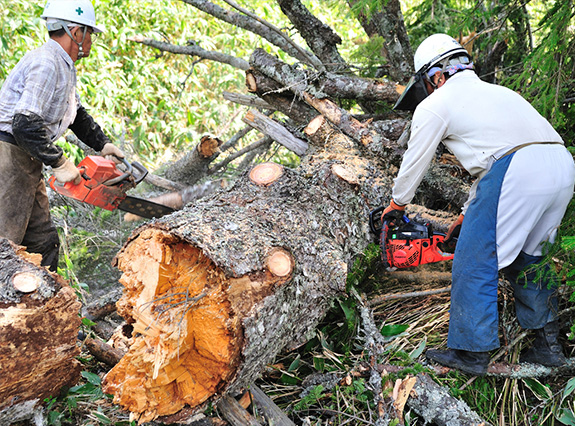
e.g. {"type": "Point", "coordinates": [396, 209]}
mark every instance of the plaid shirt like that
{"type": "Point", "coordinates": [43, 83]}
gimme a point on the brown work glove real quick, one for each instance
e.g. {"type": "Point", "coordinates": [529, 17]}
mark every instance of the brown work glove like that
{"type": "Point", "coordinates": [393, 213]}
{"type": "Point", "coordinates": [113, 153]}
{"type": "Point", "coordinates": [67, 172]}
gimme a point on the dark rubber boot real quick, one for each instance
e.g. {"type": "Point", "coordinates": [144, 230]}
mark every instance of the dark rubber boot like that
{"type": "Point", "coordinates": [469, 362]}
{"type": "Point", "coordinates": [546, 349]}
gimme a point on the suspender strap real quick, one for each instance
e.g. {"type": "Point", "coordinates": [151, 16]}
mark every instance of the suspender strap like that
{"type": "Point", "coordinates": [523, 145]}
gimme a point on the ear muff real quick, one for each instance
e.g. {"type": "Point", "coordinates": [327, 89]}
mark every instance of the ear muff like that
{"type": "Point", "coordinates": [414, 93]}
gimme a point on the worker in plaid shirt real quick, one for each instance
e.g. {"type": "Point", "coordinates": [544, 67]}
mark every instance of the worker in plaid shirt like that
{"type": "Point", "coordinates": [38, 103]}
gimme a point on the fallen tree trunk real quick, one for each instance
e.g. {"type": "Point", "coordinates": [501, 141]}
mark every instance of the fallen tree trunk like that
{"type": "Point", "coordinates": [216, 290]}
{"type": "Point", "coordinates": [39, 325]}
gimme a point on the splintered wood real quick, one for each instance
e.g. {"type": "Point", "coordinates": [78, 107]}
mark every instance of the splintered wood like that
{"type": "Point", "coordinates": [186, 324]}
{"type": "Point", "coordinates": [184, 344]}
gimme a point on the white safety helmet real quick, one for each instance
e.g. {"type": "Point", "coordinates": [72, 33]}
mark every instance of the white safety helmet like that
{"type": "Point", "coordinates": [437, 50]}
{"type": "Point", "coordinates": [60, 13]}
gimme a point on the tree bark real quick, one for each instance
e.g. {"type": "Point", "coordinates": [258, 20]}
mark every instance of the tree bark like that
{"type": "Point", "coordinates": [435, 404]}
{"type": "Point", "coordinates": [39, 323]}
{"type": "Point", "coordinates": [388, 23]}
{"type": "Point", "coordinates": [323, 85]}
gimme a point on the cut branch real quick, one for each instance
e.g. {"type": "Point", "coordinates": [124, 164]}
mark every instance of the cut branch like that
{"type": "Point", "coordinates": [320, 37]}
{"type": "Point", "coordinates": [311, 59]}
{"type": "Point", "coordinates": [193, 50]}
{"type": "Point", "coordinates": [250, 24]}
{"type": "Point", "coordinates": [247, 100]}
{"type": "Point", "coordinates": [325, 84]}
{"type": "Point", "coordinates": [275, 131]}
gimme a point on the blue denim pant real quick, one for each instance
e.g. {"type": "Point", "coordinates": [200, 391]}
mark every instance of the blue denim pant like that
{"type": "Point", "coordinates": [474, 319]}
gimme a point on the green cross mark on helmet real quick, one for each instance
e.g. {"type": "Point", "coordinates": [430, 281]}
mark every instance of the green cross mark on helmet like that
{"type": "Point", "coordinates": [63, 12]}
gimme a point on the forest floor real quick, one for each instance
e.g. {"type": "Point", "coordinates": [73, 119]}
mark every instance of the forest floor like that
{"type": "Point", "coordinates": [321, 383]}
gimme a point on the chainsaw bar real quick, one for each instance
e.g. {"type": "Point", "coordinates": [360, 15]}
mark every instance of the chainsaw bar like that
{"type": "Point", "coordinates": [144, 208]}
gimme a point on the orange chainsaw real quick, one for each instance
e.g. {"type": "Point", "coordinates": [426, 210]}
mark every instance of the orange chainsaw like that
{"type": "Point", "coordinates": [408, 243]}
{"type": "Point", "coordinates": [104, 185]}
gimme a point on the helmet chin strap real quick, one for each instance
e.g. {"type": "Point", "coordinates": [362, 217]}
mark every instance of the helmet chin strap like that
{"type": "Point", "coordinates": [80, 44]}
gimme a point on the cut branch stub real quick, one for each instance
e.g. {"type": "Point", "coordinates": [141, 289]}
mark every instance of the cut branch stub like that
{"type": "Point", "coordinates": [280, 263]}
{"type": "Point", "coordinates": [266, 173]}
{"type": "Point", "coordinates": [27, 282]}
{"type": "Point", "coordinates": [208, 146]}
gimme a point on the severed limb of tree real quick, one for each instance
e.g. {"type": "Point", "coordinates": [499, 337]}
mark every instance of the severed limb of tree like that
{"type": "Point", "coordinates": [278, 96]}
{"type": "Point", "coordinates": [365, 133]}
{"type": "Point", "coordinates": [103, 352]}
{"type": "Point", "coordinates": [389, 24]}
{"type": "Point", "coordinates": [276, 131]}
{"type": "Point", "coordinates": [235, 414]}
{"type": "Point", "coordinates": [263, 142]}
{"type": "Point", "coordinates": [193, 50]}
{"type": "Point", "coordinates": [436, 405]}
{"type": "Point", "coordinates": [39, 323]}
{"type": "Point", "coordinates": [322, 85]}
{"type": "Point", "coordinates": [246, 100]}
{"type": "Point", "coordinates": [310, 58]}
{"type": "Point", "coordinates": [270, 411]}
{"type": "Point", "coordinates": [320, 37]}
{"type": "Point", "coordinates": [256, 26]}
{"type": "Point", "coordinates": [195, 164]}
{"type": "Point", "coordinates": [378, 299]}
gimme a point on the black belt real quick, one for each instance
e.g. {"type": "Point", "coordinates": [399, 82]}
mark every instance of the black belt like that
{"type": "Point", "coordinates": [7, 137]}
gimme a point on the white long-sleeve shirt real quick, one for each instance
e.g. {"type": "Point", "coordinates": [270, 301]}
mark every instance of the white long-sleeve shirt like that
{"type": "Point", "coordinates": [477, 121]}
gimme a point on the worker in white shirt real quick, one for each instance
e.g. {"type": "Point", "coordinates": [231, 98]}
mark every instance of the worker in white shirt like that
{"type": "Point", "coordinates": [38, 103]}
{"type": "Point", "coordinates": [524, 181]}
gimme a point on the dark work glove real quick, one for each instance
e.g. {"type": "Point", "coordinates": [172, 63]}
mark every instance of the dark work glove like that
{"type": "Point", "coordinates": [452, 234]}
{"type": "Point", "coordinates": [393, 213]}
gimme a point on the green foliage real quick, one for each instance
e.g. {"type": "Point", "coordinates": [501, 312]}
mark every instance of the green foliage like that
{"type": "Point", "coordinates": [547, 78]}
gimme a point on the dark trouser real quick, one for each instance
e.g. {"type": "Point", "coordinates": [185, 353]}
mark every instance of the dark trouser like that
{"type": "Point", "coordinates": [25, 211]}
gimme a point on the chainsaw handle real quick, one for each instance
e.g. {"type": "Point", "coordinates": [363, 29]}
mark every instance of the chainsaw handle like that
{"type": "Point", "coordinates": [142, 170]}
{"type": "Point", "coordinates": [123, 176]}
{"type": "Point", "coordinates": [82, 171]}
{"type": "Point", "coordinates": [375, 223]}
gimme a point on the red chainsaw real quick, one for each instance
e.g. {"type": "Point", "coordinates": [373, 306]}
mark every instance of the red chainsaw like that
{"type": "Point", "coordinates": [104, 185]}
{"type": "Point", "coordinates": [408, 243]}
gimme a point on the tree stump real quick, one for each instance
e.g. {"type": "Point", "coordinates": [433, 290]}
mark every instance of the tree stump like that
{"type": "Point", "coordinates": [39, 323]}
